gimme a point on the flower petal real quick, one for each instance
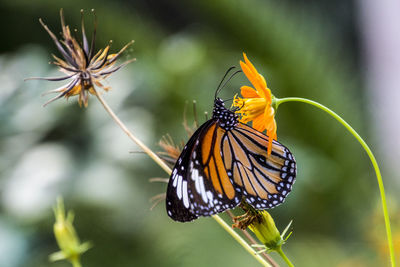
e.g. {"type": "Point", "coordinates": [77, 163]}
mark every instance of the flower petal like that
{"type": "Point", "coordinates": [256, 79]}
{"type": "Point", "coordinates": [268, 95]}
{"type": "Point", "coordinates": [251, 77]}
{"type": "Point", "coordinates": [259, 123]}
{"type": "Point", "coordinates": [270, 125]}
{"type": "Point", "coordinates": [248, 92]}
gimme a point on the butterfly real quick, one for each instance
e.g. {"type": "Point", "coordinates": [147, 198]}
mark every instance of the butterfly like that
{"type": "Point", "coordinates": [224, 162]}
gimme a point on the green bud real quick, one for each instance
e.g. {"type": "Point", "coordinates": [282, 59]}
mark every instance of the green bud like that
{"type": "Point", "coordinates": [265, 230]}
{"type": "Point", "coordinates": [66, 237]}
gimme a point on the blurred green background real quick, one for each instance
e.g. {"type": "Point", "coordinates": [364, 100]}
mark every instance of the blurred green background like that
{"type": "Point", "coordinates": [310, 49]}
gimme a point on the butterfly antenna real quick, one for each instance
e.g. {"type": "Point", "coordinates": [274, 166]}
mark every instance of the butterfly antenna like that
{"type": "Point", "coordinates": [229, 99]}
{"type": "Point", "coordinates": [230, 78]}
{"type": "Point", "coordinates": [223, 78]}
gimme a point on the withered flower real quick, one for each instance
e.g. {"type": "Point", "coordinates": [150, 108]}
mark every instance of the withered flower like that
{"type": "Point", "coordinates": [82, 66]}
{"type": "Point", "coordinates": [171, 151]}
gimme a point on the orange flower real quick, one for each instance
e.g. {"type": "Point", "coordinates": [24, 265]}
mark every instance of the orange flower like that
{"type": "Point", "coordinates": [256, 104]}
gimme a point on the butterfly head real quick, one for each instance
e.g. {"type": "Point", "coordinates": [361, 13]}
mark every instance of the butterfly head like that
{"type": "Point", "coordinates": [226, 118]}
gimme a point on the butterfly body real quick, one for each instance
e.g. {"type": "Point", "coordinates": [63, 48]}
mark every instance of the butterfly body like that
{"type": "Point", "coordinates": [224, 162]}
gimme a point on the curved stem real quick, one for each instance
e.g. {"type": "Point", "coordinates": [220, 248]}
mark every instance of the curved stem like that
{"type": "Point", "coordinates": [286, 259]}
{"type": "Point", "coordinates": [147, 150]}
{"type": "Point", "coordinates": [168, 170]}
{"type": "Point", "coordinates": [370, 154]}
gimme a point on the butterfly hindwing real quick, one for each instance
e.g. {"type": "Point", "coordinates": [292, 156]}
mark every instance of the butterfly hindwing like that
{"type": "Point", "coordinates": [265, 180]}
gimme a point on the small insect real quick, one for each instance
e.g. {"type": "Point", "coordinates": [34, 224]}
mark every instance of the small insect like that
{"type": "Point", "coordinates": [224, 162]}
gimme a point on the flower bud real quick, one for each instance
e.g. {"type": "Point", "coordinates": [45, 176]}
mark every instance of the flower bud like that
{"type": "Point", "coordinates": [66, 237]}
{"type": "Point", "coordinates": [265, 230]}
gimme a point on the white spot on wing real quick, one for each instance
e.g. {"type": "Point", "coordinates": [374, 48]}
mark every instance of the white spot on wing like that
{"type": "Point", "coordinates": [210, 196]}
{"type": "Point", "coordinates": [175, 180]}
{"type": "Point", "coordinates": [202, 189]}
{"type": "Point", "coordinates": [195, 178]}
{"type": "Point", "coordinates": [185, 195]}
{"type": "Point", "coordinates": [179, 188]}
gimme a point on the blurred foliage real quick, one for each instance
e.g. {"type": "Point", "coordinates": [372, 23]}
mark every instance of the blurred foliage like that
{"type": "Point", "coordinates": [303, 48]}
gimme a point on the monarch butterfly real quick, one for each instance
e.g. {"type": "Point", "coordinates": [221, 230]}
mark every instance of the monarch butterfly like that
{"type": "Point", "coordinates": [223, 162]}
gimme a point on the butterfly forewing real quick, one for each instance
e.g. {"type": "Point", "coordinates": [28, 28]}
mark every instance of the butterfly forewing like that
{"type": "Point", "coordinates": [199, 184]}
{"type": "Point", "coordinates": [178, 203]}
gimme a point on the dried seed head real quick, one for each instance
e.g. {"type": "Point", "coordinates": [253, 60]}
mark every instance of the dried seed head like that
{"type": "Point", "coordinates": [84, 68]}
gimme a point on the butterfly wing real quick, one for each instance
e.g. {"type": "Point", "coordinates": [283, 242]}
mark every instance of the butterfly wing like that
{"type": "Point", "coordinates": [177, 202]}
{"type": "Point", "coordinates": [199, 184]}
{"type": "Point", "coordinates": [217, 168]}
{"type": "Point", "coordinates": [264, 180]}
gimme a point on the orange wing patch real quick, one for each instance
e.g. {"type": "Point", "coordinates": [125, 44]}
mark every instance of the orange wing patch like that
{"type": "Point", "coordinates": [236, 175]}
{"type": "Point", "coordinates": [207, 143]}
{"type": "Point", "coordinates": [214, 176]}
{"type": "Point", "coordinates": [212, 160]}
{"type": "Point", "coordinates": [246, 179]}
{"type": "Point", "coordinates": [238, 152]}
{"type": "Point", "coordinates": [227, 154]}
{"type": "Point", "coordinates": [223, 176]}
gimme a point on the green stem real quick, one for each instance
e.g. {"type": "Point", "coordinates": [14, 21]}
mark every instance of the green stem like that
{"type": "Point", "coordinates": [168, 170]}
{"type": "Point", "coordinates": [240, 240]}
{"type": "Point", "coordinates": [76, 263]}
{"type": "Point", "coordinates": [370, 154]}
{"type": "Point", "coordinates": [286, 259]}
